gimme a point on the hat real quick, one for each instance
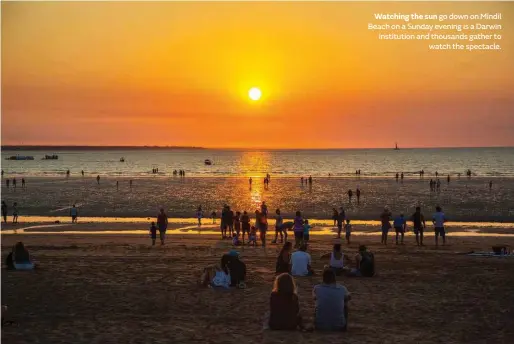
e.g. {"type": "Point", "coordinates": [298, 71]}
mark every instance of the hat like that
{"type": "Point", "coordinates": [233, 253]}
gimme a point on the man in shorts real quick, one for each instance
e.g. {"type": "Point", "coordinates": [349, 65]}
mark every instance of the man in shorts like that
{"type": "Point", "coordinates": [73, 214]}
{"type": "Point", "coordinates": [438, 220]}
{"type": "Point", "coordinates": [419, 225]}
{"type": "Point", "coordinates": [399, 226]}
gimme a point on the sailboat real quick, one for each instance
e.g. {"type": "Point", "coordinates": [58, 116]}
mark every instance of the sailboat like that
{"type": "Point", "coordinates": [396, 146]}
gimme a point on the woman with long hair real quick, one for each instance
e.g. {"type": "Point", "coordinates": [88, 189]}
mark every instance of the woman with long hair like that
{"type": "Point", "coordinates": [284, 259]}
{"type": "Point", "coordinates": [284, 304]}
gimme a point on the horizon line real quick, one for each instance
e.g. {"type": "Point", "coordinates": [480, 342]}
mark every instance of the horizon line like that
{"type": "Point", "coordinates": [106, 147]}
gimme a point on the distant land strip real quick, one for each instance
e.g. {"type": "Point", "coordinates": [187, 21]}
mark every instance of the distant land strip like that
{"type": "Point", "coordinates": [82, 148]}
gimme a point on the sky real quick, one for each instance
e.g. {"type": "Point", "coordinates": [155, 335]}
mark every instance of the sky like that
{"type": "Point", "coordinates": [178, 73]}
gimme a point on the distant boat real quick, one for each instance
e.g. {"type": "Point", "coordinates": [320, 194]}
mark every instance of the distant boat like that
{"type": "Point", "coordinates": [122, 159]}
{"type": "Point", "coordinates": [51, 157]}
{"type": "Point", "coordinates": [396, 147]}
{"type": "Point", "coordinates": [20, 157]}
{"type": "Point", "coordinates": [208, 162]}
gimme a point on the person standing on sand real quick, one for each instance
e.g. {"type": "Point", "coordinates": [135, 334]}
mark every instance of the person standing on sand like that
{"type": "Point", "coordinates": [117, 185]}
{"type": "Point", "coordinates": [74, 214]}
{"type": "Point", "coordinates": [7, 181]}
{"type": "Point", "coordinates": [340, 220]}
{"type": "Point", "coordinates": [67, 173]}
{"type": "Point", "coordinates": [4, 211]}
{"type": "Point", "coordinates": [438, 220]}
{"type": "Point", "coordinates": [153, 233]}
{"type": "Point", "coordinates": [397, 176]}
{"type": "Point", "coordinates": [250, 181]}
{"type": "Point", "coordinates": [419, 225]}
{"type": "Point", "coordinates": [82, 173]}
{"type": "Point", "coordinates": [14, 183]}
{"type": "Point", "coordinates": [130, 183]}
{"type": "Point", "coordinates": [350, 195]}
{"type": "Point", "coordinates": [335, 215]}
{"type": "Point", "coordinates": [199, 215]}
{"type": "Point", "coordinates": [162, 223]}
{"type": "Point", "coordinates": [15, 213]}
{"type": "Point", "coordinates": [358, 192]}
{"type": "Point", "coordinates": [399, 226]}
{"type": "Point", "coordinates": [490, 184]}
{"type": "Point", "coordinates": [245, 224]}
{"type": "Point", "coordinates": [298, 229]}
{"type": "Point", "coordinates": [301, 180]}
{"type": "Point", "coordinates": [310, 180]}
{"type": "Point", "coordinates": [385, 218]}
{"type": "Point", "coordinates": [448, 179]}
{"type": "Point", "coordinates": [98, 179]}
{"type": "Point", "coordinates": [278, 228]}
{"type": "Point", "coordinates": [401, 176]}
{"type": "Point", "coordinates": [237, 223]}
{"type": "Point", "coordinates": [23, 183]}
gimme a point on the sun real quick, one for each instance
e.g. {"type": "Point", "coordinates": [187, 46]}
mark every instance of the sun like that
{"type": "Point", "coordinates": [254, 93]}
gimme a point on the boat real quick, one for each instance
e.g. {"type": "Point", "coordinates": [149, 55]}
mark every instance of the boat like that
{"type": "Point", "coordinates": [396, 147]}
{"type": "Point", "coordinates": [122, 159]}
{"type": "Point", "coordinates": [51, 157]}
{"type": "Point", "coordinates": [20, 157]}
{"type": "Point", "coordinates": [208, 162]}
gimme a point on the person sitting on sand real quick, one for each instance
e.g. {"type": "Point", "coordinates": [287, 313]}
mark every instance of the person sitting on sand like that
{"type": "Point", "coordinates": [153, 233]}
{"type": "Point", "coordinates": [235, 240]}
{"type": "Point", "coordinates": [364, 263]}
{"type": "Point", "coordinates": [284, 259]}
{"type": "Point", "coordinates": [301, 262]}
{"type": "Point", "coordinates": [162, 223]}
{"type": "Point", "coordinates": [19, 258]}
{"type": "Point", "coordinates": [336, 260]}
{"type": "Point", "coordinates": [236, 268]}
{"type": "Point", "coordinates": [284, 305]}
{"type": "Point", "coordinates": [331, 304]}
{"type": "Point", "coordinates": [252, 239]}
{"type": "Point", "coordinates": [221, 278]}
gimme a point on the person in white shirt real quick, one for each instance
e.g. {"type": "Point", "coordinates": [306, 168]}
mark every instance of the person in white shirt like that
{"type": "Point", "coordinates": [438, 220]}
{"type": "Point", "coordinates": [301, 263]}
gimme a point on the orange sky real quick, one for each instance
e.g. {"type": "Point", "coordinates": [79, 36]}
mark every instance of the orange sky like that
{"type": "Point", "coordinates": [170, 73]}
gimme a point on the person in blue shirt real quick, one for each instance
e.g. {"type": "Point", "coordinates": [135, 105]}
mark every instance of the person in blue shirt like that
{"type": "Point", "coordinates": [306, 231]}
{"type": "Point", "coordinates": [399, 226]}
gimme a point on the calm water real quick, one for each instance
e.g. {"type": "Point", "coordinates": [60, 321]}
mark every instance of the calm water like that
{"type": "Point", "coordinates": [490, 162]}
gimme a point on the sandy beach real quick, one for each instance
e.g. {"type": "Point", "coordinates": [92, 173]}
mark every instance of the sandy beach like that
{"type": "Point", "coordinates": [112, 289]}
{"type": "Point", "coordinates": [462, 200]}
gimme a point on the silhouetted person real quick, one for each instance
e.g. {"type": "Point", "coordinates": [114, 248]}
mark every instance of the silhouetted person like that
{"type": "Point", "coordinates": [7, 181]}
{"type": "Point", "coordinates": [350, 195]}
{"type": "Point", "coordinates": [310, 179]}
{"type": "Point", "coordinates": [82, 173]}
{"type": "Point", "coordinates": [4, 211]}
{"type": "Point", "coordinates": [23, 183]}
{"type": "Point", "coordinates": [250, 181]}
{"type": "Point", "coordinates": [117, 185]}
{"type": "Point", "coordinates": [130, 183]}
{"type": "Point", "coordinates": [14, 183]}
{"type": "Point", "coordinates": [67, 173]}
{"type": "Point", "coordinates": [397, 176]}
{"type": "Point", "coordinates": [490, 184]}
{"type": "Point", "coordinates": [358, 192]}
{"type": "Point", "coordinates": [448, 179]}
{"type": "Point", "coordinates": [401, 176]}
{"type": "Point", "coordinates": [98, 179]}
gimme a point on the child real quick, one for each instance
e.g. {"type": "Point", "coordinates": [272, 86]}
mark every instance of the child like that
{"type": "Point", "coordinates": [213, 215]}
{"type": "Point", "coordinates": [153, 233]}
{"type": "Point", "coordinates": [253, 236]}
{"type": "Point", "coordinates": [348, 230]}
{"type": "Point", "coordinates": [306, 229]}
{"type": "Point", "coordinates": [235, 240]}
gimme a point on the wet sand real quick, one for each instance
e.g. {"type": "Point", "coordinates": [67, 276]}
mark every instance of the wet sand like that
{"type": "Point", "coordinates": [118, 289]}
{"type": "Point", "coordinates": [462, 200]}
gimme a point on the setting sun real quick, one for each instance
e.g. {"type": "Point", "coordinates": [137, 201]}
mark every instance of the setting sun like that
{"type": "Point", "coordinates": [254, 93]}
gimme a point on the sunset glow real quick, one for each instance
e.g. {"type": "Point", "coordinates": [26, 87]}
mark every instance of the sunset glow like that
{"type": "Point", "coordinates": [178, 73]}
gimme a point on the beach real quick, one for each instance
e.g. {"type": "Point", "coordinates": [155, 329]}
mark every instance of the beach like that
{"type": "Point", "coordinates": [463, 199]}
{"type": "Point", "coordinates": [119, 289]}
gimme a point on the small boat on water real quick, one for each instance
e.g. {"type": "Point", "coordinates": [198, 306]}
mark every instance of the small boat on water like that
{"type": "Point", "coordinates": [208, 162]}
{"type": "Point", "coordinates": [51, 157]}
{"type": "Point", "coordinates": [20, 157]}
{"type": "Point", "coordinates": [122, 159]}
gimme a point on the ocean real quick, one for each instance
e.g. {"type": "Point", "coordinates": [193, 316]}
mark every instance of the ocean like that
{"type": "Point", "coordinates": [483, 162]}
